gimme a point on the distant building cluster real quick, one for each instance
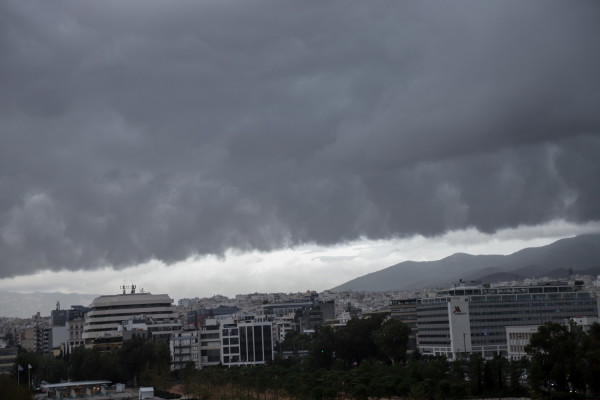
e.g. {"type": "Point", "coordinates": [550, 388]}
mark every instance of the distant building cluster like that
{"type": "Point", "coordinates": [468, 318]}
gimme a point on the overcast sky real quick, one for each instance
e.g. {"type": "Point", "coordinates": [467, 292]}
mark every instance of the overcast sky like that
{"type": "Point", "coordinates": [237, 146]}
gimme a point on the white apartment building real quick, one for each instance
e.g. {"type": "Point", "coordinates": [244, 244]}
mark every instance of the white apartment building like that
{"type": "Point", "coordinates": [283, 325]}
{"type": "Point", "coordinates": [185, 348]}
{"type": "Point", "coordinates": [75, 333]}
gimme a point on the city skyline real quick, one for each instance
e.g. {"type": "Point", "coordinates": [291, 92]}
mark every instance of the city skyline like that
{"type": "Point", "coordinates": [230, 147]}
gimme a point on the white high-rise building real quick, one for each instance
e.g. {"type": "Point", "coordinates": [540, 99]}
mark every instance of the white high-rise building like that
{"type": "Point", "coordinates": [104, 322]}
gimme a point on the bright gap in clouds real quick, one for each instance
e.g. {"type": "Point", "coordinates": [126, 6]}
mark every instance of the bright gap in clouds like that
{"type": "Point", "coordinates": [307, 267]}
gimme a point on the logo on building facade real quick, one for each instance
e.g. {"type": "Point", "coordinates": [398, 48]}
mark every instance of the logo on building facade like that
{"type": "Point", "coordinates": [457, 311]}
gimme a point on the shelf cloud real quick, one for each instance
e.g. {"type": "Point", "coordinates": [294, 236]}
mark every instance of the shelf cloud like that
{"type": "Point", "coordinates": [141, 130]}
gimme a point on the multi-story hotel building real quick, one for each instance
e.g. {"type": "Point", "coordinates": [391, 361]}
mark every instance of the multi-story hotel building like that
{"type": "Point", "coordinates": [473, 319]}
{"type": "Point", "coordinates": [108, 314]}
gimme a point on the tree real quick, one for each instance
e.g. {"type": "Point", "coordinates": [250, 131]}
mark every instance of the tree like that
{"type": "Point", "coordinates": [354, 342]}
{"type": "Point", "coordinates": [554, 350]}
{"type": "Point", "coordinates": [323, 347]}
{"type": "Point", "coordinates": [295, 341]}
{"type": "Point", "coordinates": [392, 340]}
{"type": "Point", "coordinates": [139, 354]}
{"type": "Point", "coordinates": [592, 357]}
{"type": "Point", "coordinates": [476, 372]}
{"type": "Point", "coordinates": [157, 377]}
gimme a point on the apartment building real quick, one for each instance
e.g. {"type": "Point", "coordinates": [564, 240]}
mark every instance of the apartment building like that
{"type": "Point", "coordinates": [228, 342]}
{"type": "Point", "coordinates": [184, 348]}
{"type": "Point", "coordinates": [75, 333]}
{"type": "Point", "coordinates": [210, 343]}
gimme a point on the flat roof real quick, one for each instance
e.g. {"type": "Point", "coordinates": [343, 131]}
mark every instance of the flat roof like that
{"type": "Point", "coordinates": [75, 383]}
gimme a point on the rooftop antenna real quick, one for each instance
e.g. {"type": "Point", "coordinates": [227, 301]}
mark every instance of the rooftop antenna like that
{"type": "Point", "coordinates": [58, 305]}
{"type": "Point", "coordinates": [132, 289]}
{"type": "Point", "coordinates": [124, 288]}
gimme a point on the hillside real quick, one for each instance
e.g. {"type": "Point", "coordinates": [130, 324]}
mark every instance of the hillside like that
{"type": "Point", "coordinates": [581, 254]}
{"type": "Point", "coordinates": [24, 305]}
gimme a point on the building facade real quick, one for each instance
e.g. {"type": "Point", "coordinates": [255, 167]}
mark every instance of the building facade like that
{"type": "Point", "coordinates": [229, 342]}
{"type": "Point", "coordinates": [255, 344]}
{"type": "Point", "coordinates": [517, 338]}
{"type": "Point", "coordinates": [210, 344]}
{"type": "Point", "coordinates": [185, 348]}
{"type": "Point", "coordinates": [8, 357]}
{"type": "Point", "coordinates": [108, 314]}
{"type": "Point", "coordinates": [75, 333]}
{"type": "Point", "coordinates": [473, 319]}
{"type": "Point", "coordinates": [405, 310]}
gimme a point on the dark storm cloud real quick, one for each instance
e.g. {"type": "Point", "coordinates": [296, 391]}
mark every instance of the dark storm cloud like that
{"type": "Point", "coordinates": [139, 130]}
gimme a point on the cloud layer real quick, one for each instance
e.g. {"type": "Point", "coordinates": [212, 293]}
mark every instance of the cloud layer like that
{"type": "Point", "coordinates": [158, 130]}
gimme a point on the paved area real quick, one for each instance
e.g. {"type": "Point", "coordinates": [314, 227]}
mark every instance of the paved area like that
{"type": "Point", "coordinates": [129, 394]}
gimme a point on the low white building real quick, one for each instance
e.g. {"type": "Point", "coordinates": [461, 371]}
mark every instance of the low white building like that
{"type": "Point", "coordinates": [517, 338]}
{"type": "Point", "coordinates": [146, 393]}
{"type": "Point", "coordinates": [584, 322]}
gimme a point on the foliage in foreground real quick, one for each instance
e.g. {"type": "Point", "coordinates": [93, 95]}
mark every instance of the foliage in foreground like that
{"type": "Point", "coordinates": [416, 379]}
{"type": "Point", "coordinates": [10, 390]}
{"type": "Point", "coordinates": [565, 359]}
{"type": "Point", "coordinates": [138, 361]}
{"type": "Point", "coordinates": [365, 359]}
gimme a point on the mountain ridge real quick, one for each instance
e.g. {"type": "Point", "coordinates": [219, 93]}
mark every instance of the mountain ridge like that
{"type": "Point", "coordinates": [579, 253]}
{"type": "Point", "coordinates": [25, 305]}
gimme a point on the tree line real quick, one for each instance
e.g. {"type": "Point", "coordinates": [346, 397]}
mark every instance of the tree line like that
{"type": "Point", "coordinates": [565, 359]}
{"type": "Point", "coordinates": [137, 361]}
{"type": "Point", "coordinates": [367, 358]}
